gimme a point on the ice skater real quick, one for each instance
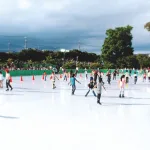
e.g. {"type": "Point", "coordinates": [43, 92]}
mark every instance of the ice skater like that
{"type": "Point", "coordinates": [44, 75]}
{"type": "Point", "coordinates": [135, 77]}
{"type": "Point", "coordinates": [144, 76]}
{"type": "Point", "coordinates": [99, 90]}
{"type": "Point", "coordinates": [95, 76]}
{"type": "Point", "coordinates": [108, 77]}
{"type": "Point", "coordinates": [127, 77]}
{"type": "Point", "coordinates": [8, 81]}
{"type": "Point", "coordinates": [122, 85]}
{"type": "Point", "coordinates": [73, 83]}
{"type": "Point", "coordinates": [91, 77]}
{"type": "Point", "coordinates": [100, 76]}
{"type": "Point", "coordinates": [53, 77]}
{"type": "Point", "coordinates": [149, 76]}
{"type": "Point", "coordinates": [114, 75]}
{"type": "Point", "coordinates": [91, 86]}
{"type": "Point", "coordinates": [65, 76]}
{"type": "Point", "coordinates": [86, 74]}
{"type": "Point", "coordinates": [1, 80]}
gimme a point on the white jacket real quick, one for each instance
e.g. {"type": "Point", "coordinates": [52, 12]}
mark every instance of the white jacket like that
{"type": "Point", "coordinates": [1, 77]}
{"type": "Point", "coordinates": [7, 76]}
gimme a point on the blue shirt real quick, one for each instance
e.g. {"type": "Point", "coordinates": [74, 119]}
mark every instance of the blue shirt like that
{"type": "Point", "coordinates": [72, 80]}
{"type": "Point", "coordinates": [91, 78]}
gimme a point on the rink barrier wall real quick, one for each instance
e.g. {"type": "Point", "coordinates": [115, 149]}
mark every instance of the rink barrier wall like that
{"type": "Point", "coordinates": [40, 72]}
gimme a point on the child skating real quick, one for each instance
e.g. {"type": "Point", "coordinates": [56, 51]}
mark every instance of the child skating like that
{"type": "Point", "coordinates": [108, 77]}
{"type": "Point", "coordinates": [114, 75]}
{"type": "Point", "coordinates": [65, 76]}
{"type": "Point", "coordinates": [99, 90]}
{"type": "Point", "coordinates": [8, 81]}
{"type": "Point", "coordinates": [1, 80]}
{"type": "Point", "coordinates": [91, 77]}
{"type": "Point", "coordinates": [45, 76]}
{"type": "Point", "coordinates": [53, 77]}
{"type": "Point", "coordinates": [144, 76]}
{"type": "Point", "coordinates": [73, 83]}
{"type": "Point", "coordinates": [127, 77]}
{"type": "Point", "coordinates": [149, 76]}
{"type": "Point", "coordinates": [135, 77]}
{"type": "Point", "coordinates": [86, 74]}
{"type": "Point", "coordinates": [100, 76]}
{"type": "Point", "coordinates": [122, 83]}
{"type": "Point", "coordinates": [95, 76]}
{"type": "Point", "coordinates": [91, 86]}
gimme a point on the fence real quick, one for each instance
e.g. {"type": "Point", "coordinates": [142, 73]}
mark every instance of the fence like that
{"type": "Point", "coordinates": [40, 72]}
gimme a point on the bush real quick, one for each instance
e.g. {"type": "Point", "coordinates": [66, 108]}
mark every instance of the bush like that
{"type": "Point", "coordinates": [95, 65]}
{"type": "Point", "coordinates": [69, 64]}
{"type": "Point", "coordinates": [82, 65]}
{"type": "Point", "coordinates": [108, 65]}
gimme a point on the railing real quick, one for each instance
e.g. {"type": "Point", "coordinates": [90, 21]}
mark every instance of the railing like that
{"type": "Point", "coordinates": [40, 72]}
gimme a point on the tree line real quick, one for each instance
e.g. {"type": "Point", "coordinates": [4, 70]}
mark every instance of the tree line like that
{"type": "Point", "coordinates": [35, 57]}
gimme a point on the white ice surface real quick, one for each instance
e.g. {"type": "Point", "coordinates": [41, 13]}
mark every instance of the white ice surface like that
{"type": "Point", "coordinates": [35, 117]}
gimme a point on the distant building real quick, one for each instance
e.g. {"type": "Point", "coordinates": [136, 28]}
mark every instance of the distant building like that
{"type": "Point", "coordinates": [64, 50]}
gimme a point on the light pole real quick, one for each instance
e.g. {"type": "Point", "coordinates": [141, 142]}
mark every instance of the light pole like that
{"type": "Point", "coordinates": [79, 45]}
{"type": "Point", "coordinates": [9, 47]}
{"type": "Point", "coordinates": [77, 60]}
{"type": "Point", "coordinates": [64, 55]}
{"type": "Point", "coordinates": [25, 42]}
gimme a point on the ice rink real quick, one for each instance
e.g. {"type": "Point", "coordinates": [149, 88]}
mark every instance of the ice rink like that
{"type": "Point", "coordinates": [35, 117]}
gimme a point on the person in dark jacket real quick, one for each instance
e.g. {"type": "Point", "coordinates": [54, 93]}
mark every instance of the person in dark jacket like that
{"type": "Point", "coordinates": [91, 86]}
{"type": "Point", "coordinates": [108, 77]}
{"type": "Point", "coordinates": [95, 76]}
{"type": "Point", "coordinates": [114, 75]}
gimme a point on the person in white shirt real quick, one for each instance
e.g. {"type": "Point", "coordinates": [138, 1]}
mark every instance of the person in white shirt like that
{"type": "Point", "coordinates": [53, 77]}
{"type": "Point", "coordinates": [149, 76]}
{"type": "Point", "coordinates": [86, 74]}
{"type": "Point", "coordinates": [1, 80]}
{"type": "Point", "coordinates": [8, 81]}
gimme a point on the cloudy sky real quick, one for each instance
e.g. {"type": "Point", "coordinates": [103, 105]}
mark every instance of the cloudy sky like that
{"type": "Point", "coordinates": [63, 23]}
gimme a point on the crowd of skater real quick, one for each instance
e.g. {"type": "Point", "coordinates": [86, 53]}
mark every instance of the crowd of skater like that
{"type": "Point", "coordinates": [95, 80]}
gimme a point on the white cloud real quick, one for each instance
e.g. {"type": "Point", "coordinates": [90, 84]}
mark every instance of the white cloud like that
{"type": "Point", "coordinates": [94, 17]}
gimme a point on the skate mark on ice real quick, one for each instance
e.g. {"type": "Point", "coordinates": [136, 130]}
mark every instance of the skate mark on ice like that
{"type": "Point", "coordinates": [126, 104]}
{"type": "Point", "coordinates": [125, 89]}
{"type": "Point", "coordinates": [8, 117]}
{"type": "Point", "coordinates": [10, 94]}
{"type": "Point", "coordinates": [36, 92]}
{"type": "Point", "coordinates": [126, 97]}
{"type": "Point", "coordinates": [25, 88]}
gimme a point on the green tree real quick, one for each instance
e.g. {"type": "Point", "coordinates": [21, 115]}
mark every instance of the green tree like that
{"type": "Point", "coordinates": [128, 62]}
{"type": "Point", "coordinates": [117, 45]}
{"type": "Point", "coordinates": [95, 65]}
{"type": "Point", "coordinates": [147, 26]}
{"type": "Point", "coordinates": [144, 60]}
{"type": "Point", "coordinates": [50, 60]}
{"type": "Point", "coordinates": [9, 60]}
{"type": "Point", "coordinates": [69, 65]}
{"type": "Point", "coordinates": [29, 62]}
